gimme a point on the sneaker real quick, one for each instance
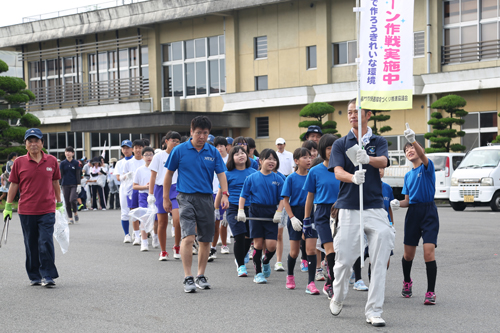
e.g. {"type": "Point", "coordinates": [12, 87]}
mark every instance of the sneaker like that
{"type": "Point", "coordinates": [104, 209]}
{"type": "Point", "coordinates": [228, 240]}
{"type": "Point", "coordinates": [177, 252]}
{"type": "Point", "coordinates": [212, 255]}
{"type": "Point", "coordinates": [173, 228]}
{"type": "Point", "coordinates": [319, 275]}
{"type": "Point", "coordinates": [328, 291]}
{"type": "Point", "coordinates": [406, 292]}
{"type": "Point", "coordinates": [311, 289]}
{"type": "Point", "coordinates": [335, 307]}
{"type": "Point", "coordinates": [279, 267]}
{"type": "Point", "coordinates": [80, 207]}
{"type": "Point", "coordinates": [144, 247]}
{"type": "Point", "coordinates": [247, 258]}
{"type": "Point", "coordinates": [127, 239]}
{"type": "Point", "coordinates": [360, 285]}
{"type": "Point", "coordinates": [266, 269]}
{"type": "Point", "coordinates": [94, 209]}
{"type": "Point", "coordinates": [224, 249]}
{"type": "Point", "coordinates": [219, 241]}
{"type": "Point", "coordinates": [71, 221]}
{"type": "Point", "coordinates": [290, 282]}
{"type": "Point", "coordinates": [304, 266]}
{"type": "Point", "coordinates": [250, 252]}
{"type": "Point", "coordinates": [259, 279]}
{"type": "Point", "coordinates": [85, 209]}
{"type": "Point", "coordinates": [376, 321]}
{"type": "Point", "coordinates": [201, 282]}
{"type": "Point", "coordinates": [48, 282]}
{"type": "Point", "coordinates": [163, 256]}
{"type": "Point", "coordinates": [189, 286]}
{"type": "Point", "coordinates": [324, 267]}
{"type": "Point", "coordinates": [352, 279]}
{"type": "Point", "coordinates": [242, 271]}
{"type": "Point", "coordinates": [196, 245]}
{"type": "Point", "coordinates": [77, 218]}
{"type": "Point", "coordinates": [430, 298]}
{"type": "Point", "coordinates": [35, 282]}
{"type": "Point", "coordinates": [155, 243]}
{"type": "Point", "coordinates": [137, 241]}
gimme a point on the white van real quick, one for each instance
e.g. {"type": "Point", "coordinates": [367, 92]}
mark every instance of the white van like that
{"type": "Point", "coordinates": [444, 164]}
{"type": "Point", "coordinates": [477, 180]}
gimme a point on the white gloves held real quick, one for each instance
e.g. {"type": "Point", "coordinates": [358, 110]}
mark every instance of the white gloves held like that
{"type": "Point", "coordinates": [277, 217]}
{"type": "Point", "coordinates": [359, 177]}
{"type": "Point", "coordinates": [151, 199]}
{"type": "Point", "coordinates": [395, 204]}
{"type": "Point", "coordinates": [296, 224]}
{"type": "Point", "coordinates": [409, 134]}
{"type": "Point", "coordinates": [78, 188]}
{"type": "Point", "coordinates": [362, 157]}
{"type": "Point", "coordinates": [223, 222]}
{"type": "Point", "coordinates": [241, 217]}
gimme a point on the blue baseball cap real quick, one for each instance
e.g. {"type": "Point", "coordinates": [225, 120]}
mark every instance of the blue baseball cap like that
{"type": "Point", "coordinates": [314, 129]}
{"type": "Point", "coordinates": [33, 132]}
{"type": "Point", "coordinates": [127, 143]}
{"type": "Point", "coordinates": [230, 140]}
{"type": "Point", "coordinates": [211, 138]}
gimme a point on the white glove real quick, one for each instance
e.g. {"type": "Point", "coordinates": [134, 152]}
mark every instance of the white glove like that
{"type": "Point", "coordinates": [241, 215]}
{"type": "Point", "coordinates": [395, 204]}
{"type": "Point", "coordinates": [223, 222]}
{"type": "Point", "coordinates": [151, 199]}
{"type": "Point", "coordinates": [362, 157]}
{"type": "Point", "coordinates": [277, 217]}
{"type": "Point", "coordinates": [358, 177]}
{"type": "Point", "coordinates": [409, 134]}
{"type": "Point", "coordinates": [296, 224]}
{"type": "Point", "coordinates": [217, 215]}
{"type": "Point", "coordinates": [78, 188]}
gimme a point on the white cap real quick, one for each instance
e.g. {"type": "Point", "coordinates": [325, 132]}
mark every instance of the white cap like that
{"type": "Point", "coordinates": [280, 141]}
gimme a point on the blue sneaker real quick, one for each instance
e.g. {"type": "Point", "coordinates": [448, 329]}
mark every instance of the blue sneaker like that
{"type": "Point", "coordinates": [304, 266]}
{"type": "Point", "coordinates": [352, 279]}
{"type": "Point", "coordinates": [360, 285]}
{"type": "Point", "coordinates": [247, 258]}
{"type": "Point", "coordinates": [266, 269]}
{"type": "Point", "coordinates": [259, 278]}
{"type": "Point", "coordinates": [242, 271]}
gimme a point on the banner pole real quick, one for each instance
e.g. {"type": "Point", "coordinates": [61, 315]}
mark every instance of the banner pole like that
{"type": "Point", "coordinates": [360, 136]}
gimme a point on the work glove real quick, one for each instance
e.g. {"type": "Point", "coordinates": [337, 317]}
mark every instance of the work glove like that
{"type": "Point", "coordinates": [78, 189]}
{"type": "Point", "coordinates": [151, 199]}
{"type": "Point", "coordinates": [277, 217]}
{"type": "Point", "coordinates": [223, 222]}
{"type": "Point", "coordinates": [395, 204]}
{"type": "Point", "coordinates": [296, 224]}
{"type": "Point", "coordinates": [307, 227]}
{"type": "Point", "coordinates": [59, 207]}
{"type": "Point", "coordinates": [7, 212]}
{"type": "Point", "coordinates": [409, 134]}
{"type": "Point", "coordinates": [241, 216]}
{"type": "Point", "coordinates": [362, 157]}
{"type": "Point", "coordinates": [359, 177]}
{"type": "Point", "coordinates": [217, 214]}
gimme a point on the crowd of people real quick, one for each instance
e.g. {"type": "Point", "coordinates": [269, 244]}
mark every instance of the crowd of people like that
{"type": "Point", "coordinates": [222, 189]}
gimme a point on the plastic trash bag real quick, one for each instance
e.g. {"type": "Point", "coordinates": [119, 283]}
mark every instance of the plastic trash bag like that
{"type": "Point", "coordinates": [145, 215]}
{"type": "Point", "coordinates": [127, 181]}
{"type": "Point", "coordinates": [61, 231]}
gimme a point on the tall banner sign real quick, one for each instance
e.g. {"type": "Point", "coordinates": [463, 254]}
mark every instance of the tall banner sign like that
{"type": "Point", "coordinates": [386, 51]}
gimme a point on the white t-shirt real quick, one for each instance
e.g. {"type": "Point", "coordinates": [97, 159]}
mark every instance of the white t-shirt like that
{"type": "Point", "coordinates": [215, 182]}
{"type": "Point", "coordinates": [158, 165]}
{"type": "Point", "coordinates": [286, 162]}
{"type": "Point", "coordinates": [142, 177]}
{"type": "Point", "coordinates": [132, 165]}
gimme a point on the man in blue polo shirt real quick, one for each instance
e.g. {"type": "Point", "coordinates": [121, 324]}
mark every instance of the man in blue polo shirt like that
{"type": "Point", "coordinates": [373, 155]}
{"type": "Point", "coordinates": [196, 161]}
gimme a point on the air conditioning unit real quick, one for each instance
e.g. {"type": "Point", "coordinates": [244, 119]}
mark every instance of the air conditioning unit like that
{"type": "Point", "coordinates": [170, 104]}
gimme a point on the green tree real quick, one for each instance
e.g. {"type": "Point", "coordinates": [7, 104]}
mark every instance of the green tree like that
{"type": "Point", "coordinates": [13, 92]}
{"type": "Point", "coordinates": [378, 117]}
{"type": "Point", "coordinates": [318, 111]}
{"type": "Point", "coordinates": [443, 131]}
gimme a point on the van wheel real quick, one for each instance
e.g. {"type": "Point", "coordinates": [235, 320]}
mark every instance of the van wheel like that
{"type": "Point", "coordinates": [458, 206]}
{"type": "Point", "coordinates": [495, 202]}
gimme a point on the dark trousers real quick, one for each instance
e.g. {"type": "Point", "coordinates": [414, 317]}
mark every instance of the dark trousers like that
{"type": "Point", "coordinates": [96, 189]}
{"type": "Point", "coordinates": [114, 200]}
{"type": "Point", "coordinates": [70, 199]}
{"type": "Point", "coordinates": [38, 233]}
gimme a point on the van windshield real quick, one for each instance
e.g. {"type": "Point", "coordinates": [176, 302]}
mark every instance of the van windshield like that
{"type": "Point", "coordinates": [481, 159]}
{"type": "Point", "coordinates": [439, 162]}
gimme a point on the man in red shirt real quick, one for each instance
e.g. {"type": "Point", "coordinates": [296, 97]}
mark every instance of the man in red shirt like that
{"type": "Point", "coordinates": [36, 175]}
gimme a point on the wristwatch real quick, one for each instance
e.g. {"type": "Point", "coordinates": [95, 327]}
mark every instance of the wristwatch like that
{"type": "Point", "coordinates": [225, 193]}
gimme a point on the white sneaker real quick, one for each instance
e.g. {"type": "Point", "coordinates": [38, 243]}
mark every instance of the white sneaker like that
{"type": "Point", "coordinates": [173, 231]}
{"type": "Point", "coordinates": [155, 243]}
{"type": "Point", "coordinates": [177, 252]}
{"type": "Point", "coordinates": [144, 247]}
{"type": "Point", "coordinates": [104, 209]}
{"type": "Point", "coordinates": [228, 240]}
{"type": "Point", "coordinates": [279, 267]}
{"type": "Point", "coordinates": [335, 307]}
{"type": "Point", "coordinates": [127, 239]}
{"type": "Point", "coordinates": [219, 242]}
{"type": "Point", "coordinates": [137, 241]}
{"type": "Point", "coordinates": [163, 256]}
{"type": "Point", "coordinates": [376, 321]}
{"type": "Point", "coordinates": [224, 249]}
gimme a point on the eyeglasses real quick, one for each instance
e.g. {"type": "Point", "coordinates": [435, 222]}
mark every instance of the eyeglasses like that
{"type": "Point", "coordinates": [242, 144]}
{"type": "Point", "coordinates": [201, 133]}
{"type": "Point", "coordinates": [148, 155]}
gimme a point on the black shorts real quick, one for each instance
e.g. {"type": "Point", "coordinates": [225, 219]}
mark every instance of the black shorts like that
{"type": "Point", "coordinates": [422, 221]}
{"type": "Point", "coordinates": [298, 212]}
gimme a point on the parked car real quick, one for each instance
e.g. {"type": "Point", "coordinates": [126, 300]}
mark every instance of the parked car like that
{"type": "Point", "coordinates": [477, 180]}
{"type": "Point", "coordinates": [444, 164]}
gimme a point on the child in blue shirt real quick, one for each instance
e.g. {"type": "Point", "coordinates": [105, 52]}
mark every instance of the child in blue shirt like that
{"type": "Point", "coordinates": [263, 189]}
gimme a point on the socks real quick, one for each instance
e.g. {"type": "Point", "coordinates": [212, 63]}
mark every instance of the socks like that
{"type": "Point", "coordinates": [291, 264]}
{"type": "Point", "coordinates": [407, 269]}
{"type": "Point", "coordinates": [137, 233]}
{"type": "Point", "coordinates": [239, 249]}
{"type": "Point", "coordinates": [311, 260]}
{"type": "Point", "coordinates": [257, 260]}
{"type": "Point", "coordinates": [431, 275]}
{"type": "Point", "coordinates": [125, 226]}
{"type": "Point", "coordinates": [357, 269]}
{"type": "Point", "coordinates": [330, 259]}
{"type": "Point", "coordinates": [268, 256]}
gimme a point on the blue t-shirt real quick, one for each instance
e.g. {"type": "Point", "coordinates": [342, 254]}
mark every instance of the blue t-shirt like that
{"type": "Point", "coordinates": [388, 197]}
{"type": "Point", "coordinates": [69, 172]}
{"type": "Point", "coordinates": [235, 180]}
{"type": "Point", "coordinates": [253, 164]}
{"type": "Point", "coordinates": [420, 184]}
{"type": "Point", "coordinates": [263, 190]}
{"type": "Point", "coordinates": [195, 169]}
{"type": "Point", "coordinates": [323, 184]}
{"type": "Point", "coordinates": [372, 189]}
{"type": "Point", "coordinates": [293, 189]}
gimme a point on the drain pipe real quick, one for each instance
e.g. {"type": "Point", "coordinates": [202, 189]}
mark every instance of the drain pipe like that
{"type": "Point", "coordinates": [428, 31]}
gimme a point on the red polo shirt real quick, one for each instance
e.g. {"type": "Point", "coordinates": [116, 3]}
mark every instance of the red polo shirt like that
{"type": "Point", "coordinates": [37, 195]}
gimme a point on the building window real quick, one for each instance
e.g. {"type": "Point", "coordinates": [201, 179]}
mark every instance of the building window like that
{"type": "Point", "coordinates": [480, 129]}
{"type": "Point", "coordinates": [311, 57]}
{"type": "Point", "coordinates": [262, 127]}
{"type": "Point", "coordinates": [261, 82]}
{"type": "Point", "coordinates": [418, 44]}
{"type": "Point", "coordinates": [194, 67]}
{"type": "Point", "coordinates": [56, 143]}
{"type": "Point", "coordinates": [110, 143]}
{"type": "Point", "coordinates": [260, 46]}
{"type": "Point", "coordinates": [345, 53]}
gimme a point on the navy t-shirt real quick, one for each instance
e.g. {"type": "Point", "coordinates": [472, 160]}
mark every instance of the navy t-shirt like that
{"type": "Point", "coordinates": [69, 172]}
{"type": "Point", "coordinates": [293, 189]}
{"type": "Point", "coordinates": [372, 189]}
{"type": "Point", "coordinates": [323, 184]}
{"type": "Point", "coordinates": [388, 197]}
{"type": "Point", "coordinates": [420, 184]}
{"type": "Point", "coordinates": [263, 190]}
{"type": "Point", "coordinates": [254, 164]}
{"type": "Point", "coordinates": [235, 180]}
